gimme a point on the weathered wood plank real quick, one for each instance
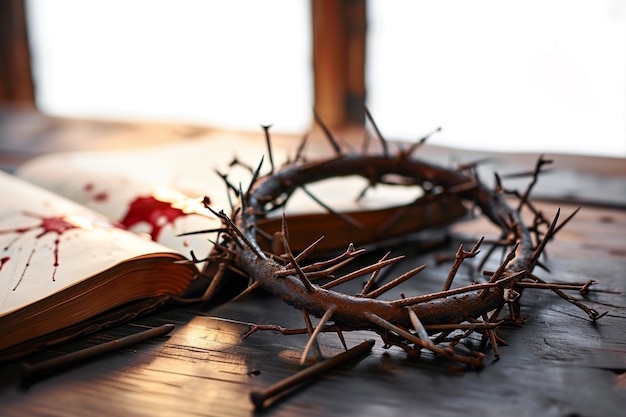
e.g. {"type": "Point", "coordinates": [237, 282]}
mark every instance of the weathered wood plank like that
{"type": "Point", "coordinates": [558, 363]}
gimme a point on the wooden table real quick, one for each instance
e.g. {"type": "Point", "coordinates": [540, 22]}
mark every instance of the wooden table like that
{"type": "Point", "coordinates": [558, 363]}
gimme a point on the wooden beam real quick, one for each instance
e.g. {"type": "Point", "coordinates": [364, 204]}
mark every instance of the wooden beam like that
{"type": "Point", "coordinates": [339, 28]}
{"type": "Point", "coordinates": [16, 84]}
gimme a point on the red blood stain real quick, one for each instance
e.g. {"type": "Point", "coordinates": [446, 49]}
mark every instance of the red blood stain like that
{"type": "Point", "coordinates": [101, 197]}
{"type": "Point", "coordinates": [156, 213]}
{"type": "Point", "coordinates": [89, 188]}
{"type": "Point", "coordinates": [3, 261]}
{"type": "Point", "coordinates": [56, 224]}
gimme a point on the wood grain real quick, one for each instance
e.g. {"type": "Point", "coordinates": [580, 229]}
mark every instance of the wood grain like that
{"type": "Point", "coordinates": [559, 363]}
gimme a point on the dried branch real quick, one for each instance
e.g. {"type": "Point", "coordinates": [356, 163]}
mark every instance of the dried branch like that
{"type": "Point", "coordinates": [436, 321]}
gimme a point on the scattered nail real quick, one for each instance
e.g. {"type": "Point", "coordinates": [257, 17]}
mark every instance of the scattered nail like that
{"type": "Point", "coordinates": [31, 372]}
{"type": "Point", "coordinates": [259, 397]}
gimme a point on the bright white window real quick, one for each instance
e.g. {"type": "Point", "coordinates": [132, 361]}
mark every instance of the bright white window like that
{"type": "Point", "coordinates": [534, 75]}
{"type": "Point", "coordinates": [235, 64]}
{"type": "Point", "coordinates": [537, 76]}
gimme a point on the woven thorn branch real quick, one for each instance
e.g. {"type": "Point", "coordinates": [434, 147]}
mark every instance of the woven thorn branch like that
{"type": "Point", "coordinates": [436, 322]}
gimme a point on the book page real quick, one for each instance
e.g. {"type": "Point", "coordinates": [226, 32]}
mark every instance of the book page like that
{"type": "Point", "coordinates": [49, 243]}
{"type": "Point", "coordinates": [157, 191]}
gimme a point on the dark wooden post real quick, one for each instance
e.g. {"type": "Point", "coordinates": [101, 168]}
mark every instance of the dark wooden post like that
{"type": "Point", "coordinates": [16, 83]}
{"type": "Point", "coordinates": [339, 28]}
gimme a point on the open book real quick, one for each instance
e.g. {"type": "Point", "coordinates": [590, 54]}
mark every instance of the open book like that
{"type": "Point", "coordinates": [62, 264]}
{"type": "Point", "coordinates": [90, 238]}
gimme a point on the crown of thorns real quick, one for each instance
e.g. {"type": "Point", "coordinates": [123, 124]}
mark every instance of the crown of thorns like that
{"type": "Point", "coordinates": [435, 321]}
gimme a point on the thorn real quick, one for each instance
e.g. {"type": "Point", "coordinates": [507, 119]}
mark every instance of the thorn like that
{"type": "Point", "coordinates": [593, 314]}
{"type": "Point", "coordinates": [247, 291]}
{"type": "Point", "coordinates": [418, 326]}
{"type": "Point", "coordinates": [327, 315]}
{"type": "Point", "coordinates": [373, 277]}
{"type": "Point", "coordinates": [525, 173]}
{"type": "Point", "coordinates": [242, 199]}
{"type": "Point", "coordinates": [570, 217]}
{"type": "Point", "coordinates": [229, 188]}
{"type": "Point", "coordinates": [535, 174]}
{"type": "Point", "coordinates": [460, 290]}
{"type": "Point", "coordinates": [255, 176]}
{"type": "Point", "coordinates": [462, 326]}
{"type": "Point", "coordinates": [332, 264]}
{"type": "Point", "coordinates": [329, 136]}
{"type": "Point", "coordinates": [198, 232]}
{"type": "Point", "coordinates": [305, 281]}
{"type": "Point", "coordinates": [502, 268]}
{"type": "Point", "coordinates": [542, 266]}
{"type": "Point", "coordinates": [392, 284]}
{"type": "Point", "coordinates": [309, 249]}
{"type": "Point", "coordinates": [421, 141]}
{"type": "Point", "coordinates": [300, 152]}
{"type": "Point", "coordinates": [460, 256]}
{"type": "Point", "coordinates": [494, 342]}
{"type": "Point", "coordinates": [378, 133]}
{"type": "Point", "coordinates": [233, 228]}
{"type": "Point", "coordinates": [309, 330]}
{"type": "Point", "coordinates": [361, 272]}
{"type": "Point", "coordinates": [379, 321]}
{"type": "Point", "coordinates": [549, 233]}
{"type": "Point", "coordinates": [237, 162]}
{"type": "Point", "coordinates": [340, 215]}
{"type": "Point", "coordinates": [266, 129]}
{"type": "Point", "coordinates": [471, 166]}
{"type": "Point", "coordinates": [498, 180]}
{"type": "Point", "coordinates": [341, 338]}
